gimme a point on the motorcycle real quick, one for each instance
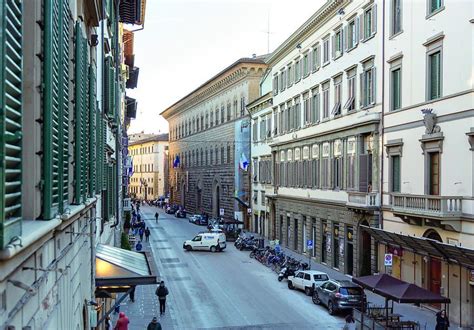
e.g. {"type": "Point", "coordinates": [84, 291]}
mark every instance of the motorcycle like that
{"type": "Point", "coordinates": [285, 272]}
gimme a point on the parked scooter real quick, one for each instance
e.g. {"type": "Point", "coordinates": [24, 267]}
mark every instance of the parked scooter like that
{"type": "Point", "coordinates": [286, 271]}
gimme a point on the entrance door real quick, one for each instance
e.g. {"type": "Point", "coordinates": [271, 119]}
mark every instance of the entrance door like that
{"type": "Point", "coordinates": [295, 241]}
{"type": "Point", "coordinates": [366, 253]}
{"type": "Point", "coordinates": [349, 258]}
{"type": "Point", "coordinates": [435, 277]}
{"type": "Point", "coordinates": [255, 223]}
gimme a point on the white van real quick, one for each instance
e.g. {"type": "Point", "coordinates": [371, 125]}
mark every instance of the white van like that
{"type": "Point", "coordinates": [206, 241]}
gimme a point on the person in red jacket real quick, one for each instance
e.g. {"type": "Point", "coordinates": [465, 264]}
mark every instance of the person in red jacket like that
{"type": "Point", "coordinates": [122, 322]}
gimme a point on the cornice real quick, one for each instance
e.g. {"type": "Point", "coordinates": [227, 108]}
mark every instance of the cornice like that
{"type": "Point", "coordinates": [216, 86]}
{"type": "Point", "coordinates": [318, 19]}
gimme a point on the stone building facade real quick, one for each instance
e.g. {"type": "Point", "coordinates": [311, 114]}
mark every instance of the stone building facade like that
{"type": "Point", "coordinates": [150, 167]}
{"type": "Point", "coordinates": [326, 133]}
{"type": "Point", "coordinates": [209, 138]}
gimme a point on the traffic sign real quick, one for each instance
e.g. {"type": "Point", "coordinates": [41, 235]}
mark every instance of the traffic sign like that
{"type": "Point", "coordinates": [309, 244]}
{"type": "Point", "coordinates": [221, 212]}
{"type": "Point", "coordinates": [388, 260]}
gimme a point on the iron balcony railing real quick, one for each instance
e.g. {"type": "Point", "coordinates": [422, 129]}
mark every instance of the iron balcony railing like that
{"type": "Point", "coordinates": [429, 205]}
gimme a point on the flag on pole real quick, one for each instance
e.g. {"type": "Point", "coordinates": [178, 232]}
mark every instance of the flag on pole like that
{"type": "Point", "coordinates": [176, 162]}
{"type": "Point", "coordinates": [243, 163]}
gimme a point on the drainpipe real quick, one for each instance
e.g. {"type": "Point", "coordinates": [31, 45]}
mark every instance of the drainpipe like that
{"type": "Point", "coordinates": [118, 135]}
{"type": "Point", "coordinates": [382, 129]}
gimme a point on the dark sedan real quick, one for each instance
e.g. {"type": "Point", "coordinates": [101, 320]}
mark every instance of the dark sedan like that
{"type": "Point", "coordinates": [339, 295]}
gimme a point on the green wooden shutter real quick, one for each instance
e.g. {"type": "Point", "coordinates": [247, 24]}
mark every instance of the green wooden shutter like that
{"type": "Point", "coordinates": [11, 68]}
{"type": "Point", "coordinates": [92, 131]}
{"type": "Point", "coordinates": [81, 139]}
{"type": "Point", "coordinates": [56, 82]}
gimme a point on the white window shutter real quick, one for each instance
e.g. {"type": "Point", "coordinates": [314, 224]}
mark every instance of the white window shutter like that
{"type": "Point", "coordinates": [374, 19]}
{"type": "Point", "coordinates": [361, 94]}
{"type": "Point", "coordinates": [361, 27]}
{"type": "Point", "coordinates": [356, 32]}
{"type": "Point", "coordinates": [374, 92]}
{"type": "Point", "coordinates": [333, 46]}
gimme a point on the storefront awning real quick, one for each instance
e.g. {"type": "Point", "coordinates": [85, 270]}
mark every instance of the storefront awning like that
{"type": "Point", "coordinates": [117, 269]}
{"type": "Point", "coordinates": [424, 246]}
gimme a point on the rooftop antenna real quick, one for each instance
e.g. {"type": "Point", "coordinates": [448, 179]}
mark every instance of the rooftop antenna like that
{"type": "Point", "coordinates": [268, 32]}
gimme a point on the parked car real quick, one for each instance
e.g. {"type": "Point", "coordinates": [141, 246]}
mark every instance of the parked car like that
{"type": "Point", "coordinates": [171, 209]}
{"type": "Point", "coordinates": [307, 280]}
{"type": "Point", "coordinates": [195, 218]}
{"type": "Point", "coordinates": [206, 241]}
{"type": "Point", "coordinates": [339, 295]}
{"type": "Point", "coordinates": [201, 221]}
{"type": "Point", "coordinates": [180, 214]}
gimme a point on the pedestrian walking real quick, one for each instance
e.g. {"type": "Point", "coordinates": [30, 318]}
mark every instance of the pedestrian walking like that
{"type": "Point", "coordinates": [140, 233]}
{"type": "Point", "coordinates": [108, 323]}
{"type": "Point", "coordinates": [442, 321]}
{"type": "Point", "coordinates": [162, 292]}
{"type": "Point", "coordinates": [147, 234]}
{"type": "Point", "coordinates": [154, 325]}
{"type": "Point", "coordinates": [350, 323]}
{"type": "Point", "coordinates": [132, 293]}
{"type": "Point", "coordinates": [156, 217]}
{"type": "Point", "coordinates": [122, 322]}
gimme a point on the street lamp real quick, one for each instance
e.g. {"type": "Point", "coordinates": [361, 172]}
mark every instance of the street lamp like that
{"type": "Point", "coordinates": [144, 184]}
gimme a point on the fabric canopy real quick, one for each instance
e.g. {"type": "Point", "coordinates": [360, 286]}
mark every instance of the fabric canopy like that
{"type": "Point", "coordinates": [397, 290]}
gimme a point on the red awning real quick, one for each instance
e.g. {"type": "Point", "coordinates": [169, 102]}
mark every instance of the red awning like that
{"type": "Point", "coordinates": [397, 290]}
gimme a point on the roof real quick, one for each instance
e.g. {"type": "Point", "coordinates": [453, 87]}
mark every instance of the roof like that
{"type": "Point", "coordinates": [155, 138]}
{"type": "Point", "coordinates": [424, 246]}
{"type": "Point", "coordinates": [312, 24]}
{"type": "Point", "coordinates": [257, 60]}
{"type": "Point", "coordinates": [314, 272]}
{"type": "Point", "coordinates": [394, 289]}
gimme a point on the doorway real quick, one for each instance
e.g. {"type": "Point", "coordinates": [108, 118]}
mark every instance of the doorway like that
{"type": "Point", "coordinates": [216, 201]}
{"type": "Point", "coordinates": [349, 251]}
{"type": "Point", "coordinates": [434, 267]}
{"type": "Point", "coordinates": [295, 238]}
{"type": "Point", "coordinates": [255, 223]}
{"type": "Point", "coordinates": [433, 176]}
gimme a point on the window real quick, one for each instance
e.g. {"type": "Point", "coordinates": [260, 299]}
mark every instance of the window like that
{"type": "Point", "coordinates": [255, 130]}
{"type": "Point", "coordinates": [275, 84]}
{"type": "Point", "coordinates": [222, 114]}
{"type": "Point", "coordinates": [289, 75]}
{"type": "Point", "coordinates": [433, 175]}
{"type": "Point", "coordinates": [434, 6]}
{"type": "Point", "coordinates": [306, 64]}
{"type": "Point", "coordinates": [315, 106]}
{"type": "Point", "coordinates": [222, 156]}
{"type": "Point", "coordinates": [242, 106]}
{"type": "Point", "coordinates": [368, 24]}
{"type": "Point", "coordinates": [262, 196]}
{"type": "Point", "coordinates": [255, 169]}
{"type": "Point", "coordinates": [263, 128]}
{"type": "Point", "coordinates": [367, 86]}
{"type": "Point", "coordinates": [351, 152]}
{"type": "Point", "coordinates": [337, 165]}
{"type": "Point", "coordinates": [282, 80]}
{"type": "Point", "coordinates": [316, 57]}
{"type": "Point", "coordinates": [396, 17]}
{"type": "Point", "coordinates": [297, 114]}
{"type": "Point", "coordinates": [350, 103]}
{"type": "Point", "coordinates": [269, 126]}
{"type": "Point", "coordinates": [353, 33]}
{"type": "Point", "coordinates": [229, 111]}
{"type": "Point", "coordinates": [336, 111]}
{"type": "Point", "coordinates": [297, 71]}
{"type": "Point", "coordinates": [211, 123]}
{"type": "Point", "coordinates": [395, 173]}
{"type": "Point", "coordinates": [395, 89]}
{"type": "Point", "coordinates": [228, 154]}
{"type": "Point", "coordinates": [326, 50]}
{"type": "Point", "coordinates": [306, 109]}
{"type": "Point", "coordinates": [337, 44]}
{"type": "Point", "coordinates": [434, 75]}
{"type": "Point", "coordinates": [326, 100]}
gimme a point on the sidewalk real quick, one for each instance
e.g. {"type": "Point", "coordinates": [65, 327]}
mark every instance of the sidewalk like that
{"type": "Point", "coordinates": [425, 317]}
{"type": "Point", "coordinates": [146, 305]}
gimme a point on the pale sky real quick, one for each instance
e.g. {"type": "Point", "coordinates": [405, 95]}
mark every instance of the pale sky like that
{"type": "Point", "coordinates": [186, 42]}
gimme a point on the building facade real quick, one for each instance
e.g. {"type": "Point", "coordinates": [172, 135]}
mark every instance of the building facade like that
{"type": "Point", "coordinates": [150, 167]}
{"type": "Point", "coordinates": [428, 156]}
{"type": "Point", "coordinates": [325, 137]}
{"type": "Point", "coordinates": [261, 115]}
{"type": "Point", "coordinates": [63, 91]}
{"type": "Point", "coordinates": [209, 138]}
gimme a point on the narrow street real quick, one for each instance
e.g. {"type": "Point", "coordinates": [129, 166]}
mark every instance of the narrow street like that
{"type": "Point", "coordinates": [220, 290]}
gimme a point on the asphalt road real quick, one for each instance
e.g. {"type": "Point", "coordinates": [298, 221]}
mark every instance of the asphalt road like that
{"type": "Point", "coordinates": [225, 290]}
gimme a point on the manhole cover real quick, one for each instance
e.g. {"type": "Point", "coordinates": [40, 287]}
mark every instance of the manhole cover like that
{"type": "Point", "coordinates": [169, 260]}
{"type": "Point", "coordinates": [183, 265]}
{"type": "Point", "coordinates": [177, 279]}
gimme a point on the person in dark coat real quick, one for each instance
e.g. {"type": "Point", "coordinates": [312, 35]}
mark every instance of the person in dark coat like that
{"type": "Point", "coordinates": [162, 292]}
{"type": "Point", "coordinates": [442, 321]}
{"type": "Point", "coordinates": [154, 325]}
{"type": "Point", "coordinates": [147, 234]}
{"type": "Point", "coordinates": [156, 217]}
{"type": "Point", "coordinates": [132, 293]}
{"type": "Point", "coordinates": [140, 233]}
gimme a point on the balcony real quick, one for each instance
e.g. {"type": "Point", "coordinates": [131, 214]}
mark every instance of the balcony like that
{"type": "Point", "coordinates": [447, 209]}
{"type": "Point", "coordinates": [362, 200]}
